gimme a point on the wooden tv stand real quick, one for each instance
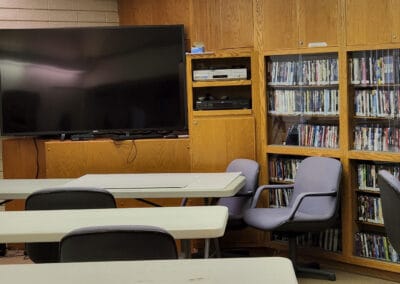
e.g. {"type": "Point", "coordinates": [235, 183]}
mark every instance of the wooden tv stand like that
{"type": "Point", "coordinates": [42, 158]}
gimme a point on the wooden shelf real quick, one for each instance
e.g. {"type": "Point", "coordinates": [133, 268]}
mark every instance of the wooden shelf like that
{"type": "Point", "coordinates": [220, 83]}
{"type": "Point", "coordinates": [325, 86]}
{"type": "Point", "coordinates": [366, 223]}
{"type": "Point", "coordinates": [310, 115]}
{"type": "Point", "coordinates": [366, 191]}
{"type": "Point", "coordinates": [202, 113]}
{"type": "Point", "coordinates": [374, 156]}
{"type": "Point", "coordinates": [303, 151]}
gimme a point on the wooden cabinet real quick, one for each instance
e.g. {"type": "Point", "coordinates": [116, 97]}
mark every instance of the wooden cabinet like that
{"type": "Point", "coordinates": [221, 119]}
{"type": "Point", "coordinates": [303, 100]}
{"type": "Point", "coordinates": [302, 118]}
{"type": "Point", "coordinates": [395, 20]}
{"type": "Point", "coordinates": [375, 92]}
{"type": "Point", "coordinates": [290, 24]}
{"type": "Point", "coordinates": [222, 24]}
{"type": "Point", "coordinates": [216, 141]}
{"type": "Point", "coordinates": [371, 22]}
{"type": "Point", "coordinates": [31, 158]}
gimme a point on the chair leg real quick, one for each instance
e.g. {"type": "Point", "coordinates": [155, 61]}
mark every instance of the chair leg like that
{"type": "Point", "coordinates": [206, 248]}
{"type": "Point", "coordinates": [217, 248]}
{"type": "Point", "coordinates": [306, 271]}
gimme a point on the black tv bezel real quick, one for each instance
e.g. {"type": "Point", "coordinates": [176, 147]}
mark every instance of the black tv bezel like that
{"type": "Point", "coordinates": [113, 132]}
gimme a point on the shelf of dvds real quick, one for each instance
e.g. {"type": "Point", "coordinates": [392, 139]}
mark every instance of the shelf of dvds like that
{"type": "Point", "coordinates": [306, 106]}
{"type": "Point", "coordinates": [370, 240]}
{"type": "Point", "coordinates": [303, 100]}
{"type": "Point", "coordinates": [374, 77]}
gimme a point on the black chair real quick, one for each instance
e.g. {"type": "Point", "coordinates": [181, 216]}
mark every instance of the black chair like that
{"type": "Point", "coordinates": [314, 206]}
{"type": "Point", "coordinates": [389, 186]}
{"type": "Point", "coordinates": [112, 243]}
{"type": "Point", "coordinates": [63, 198]}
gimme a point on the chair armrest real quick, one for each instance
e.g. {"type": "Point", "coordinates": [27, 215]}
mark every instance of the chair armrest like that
{"type": "Point", "coordinates": [302, 196]}
{"type": "Point", "coordinates": [261, 188]}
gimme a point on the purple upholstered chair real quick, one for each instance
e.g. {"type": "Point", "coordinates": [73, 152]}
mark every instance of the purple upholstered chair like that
{"type": "Point", "coordinates": [314, 206]}
{"type": "Point", "coordinates": [241, 201]}
{"type": "Point", "coordinates": [390, 197]}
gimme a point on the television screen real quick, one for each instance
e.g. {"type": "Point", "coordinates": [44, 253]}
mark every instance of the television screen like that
{"type": "Point", "coordinates": [92, 79]}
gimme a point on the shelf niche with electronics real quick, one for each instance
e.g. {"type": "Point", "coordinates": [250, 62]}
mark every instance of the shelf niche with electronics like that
{"type": "Point", "coordinates": [220, 83]}
{"type": "Point", "coordinates": [374, 86]}
{"type": "Point", "coordinates": [220, 111]}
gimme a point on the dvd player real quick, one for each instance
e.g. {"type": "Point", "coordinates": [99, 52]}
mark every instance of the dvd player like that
{"type": "Point", "coordinates": [220, 74]}
{"type": "Point", "coordinates": [223, 104]}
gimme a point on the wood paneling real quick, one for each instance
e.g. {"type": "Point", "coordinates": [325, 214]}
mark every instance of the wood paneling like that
{"type": "Point", "coordinates": [154, 12]}
{"type": "Point", "coordinates": [218, 24]}
{"type": "Point", "coordinates": [76, 158]}
{"type": "Point", "coordinates": [19, 158]}
{"type": "Point", "coordinates": [236, 24]}
{"type": "Point", "coordinates": [205, 23]}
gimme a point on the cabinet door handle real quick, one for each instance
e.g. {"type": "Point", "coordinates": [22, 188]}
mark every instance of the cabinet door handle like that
{"type": "Point", "coordinates": [301, 42]}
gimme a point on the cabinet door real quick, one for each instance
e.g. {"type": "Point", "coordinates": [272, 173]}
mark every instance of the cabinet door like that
{"type": "Point", "coordinates": [223, 24]}
{"type": "Point", "coordinates": [318, 22]}
{"type": "Point", "coordinates": [217, 141]}
{"type": "Point", "coordinates": [280, 24]}
{"type": "Point", "coordinates": [368, 22]}
{"type": "Point", "coordinates": [395, 12]}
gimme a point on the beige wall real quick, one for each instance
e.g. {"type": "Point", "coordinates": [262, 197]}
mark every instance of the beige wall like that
{"type": "Point", "coordinates": [56, 13]}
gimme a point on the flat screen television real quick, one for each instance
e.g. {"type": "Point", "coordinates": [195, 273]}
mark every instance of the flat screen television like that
{"type": "Point", "coordinates": [92, 80]}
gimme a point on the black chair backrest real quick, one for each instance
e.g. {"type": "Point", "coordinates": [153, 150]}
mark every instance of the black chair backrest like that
{"type": "Point", "coordinates": [111, 243]}
{"type": "Point", "coordinates": [389, 186]}
{"type": "Point", "coordinates": [63, 198]}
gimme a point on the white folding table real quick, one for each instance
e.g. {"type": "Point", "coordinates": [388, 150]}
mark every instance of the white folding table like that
{"type": "Point", "coordinates": [208, 271]}
{"type": "Point", "coordinates": [151, 185]}
{"type": "Point", "coordinates": [189, 222]}
{"type": "Point", "coordinates": [159, 185]}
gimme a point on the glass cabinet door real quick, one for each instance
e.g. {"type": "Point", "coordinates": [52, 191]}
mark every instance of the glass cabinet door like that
{"type": "Point", "coordinates": [303, 100]}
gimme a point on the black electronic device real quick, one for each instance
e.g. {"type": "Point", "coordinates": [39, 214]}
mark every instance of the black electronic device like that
{"type": "Point", "coordinates": [223, 104]}
{"type": "Point", "coordinates": [67, 81]}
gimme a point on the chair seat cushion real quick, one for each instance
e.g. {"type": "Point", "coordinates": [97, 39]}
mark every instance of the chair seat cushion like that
{"type": "Point", "coordinates": [277, 218]}
{"type": "Point", "coordinates": [236, 206]}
